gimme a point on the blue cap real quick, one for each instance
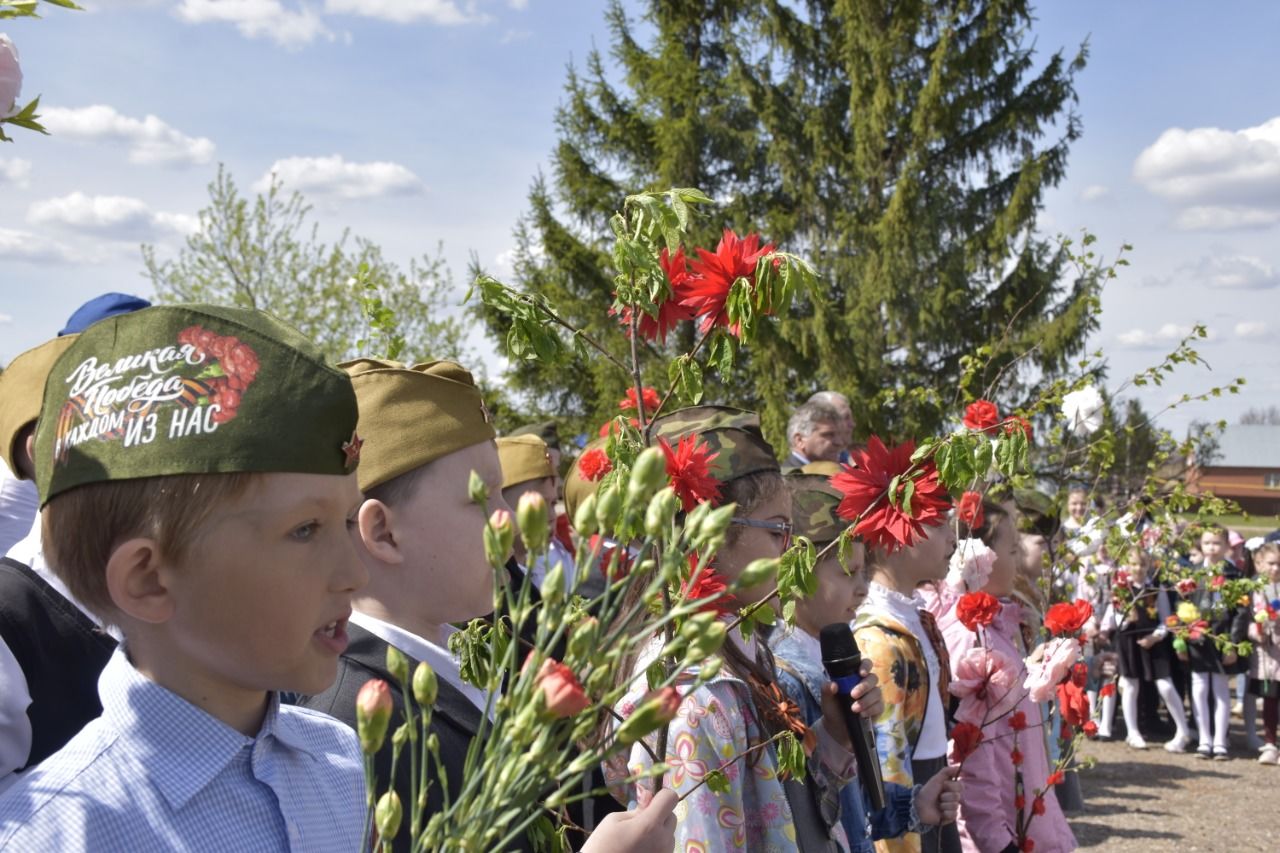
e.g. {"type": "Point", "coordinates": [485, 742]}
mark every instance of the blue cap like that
{"type": "Point", "coordinates": [100, 308]}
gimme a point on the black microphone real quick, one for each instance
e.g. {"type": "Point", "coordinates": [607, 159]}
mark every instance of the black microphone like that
{"type": "Point", "coordinates": [842, 660]}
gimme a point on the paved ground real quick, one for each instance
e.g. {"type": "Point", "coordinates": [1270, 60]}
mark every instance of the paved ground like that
{"type": "Point", "coordinates": [1153, 801]}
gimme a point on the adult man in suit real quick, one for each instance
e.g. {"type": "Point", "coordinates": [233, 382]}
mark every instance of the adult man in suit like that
{"type": "Point", "coordinates": [814, 434]}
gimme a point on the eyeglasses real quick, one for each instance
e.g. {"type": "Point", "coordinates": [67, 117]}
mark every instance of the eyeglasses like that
{"type": "Point", "coordinates": [782, 527]}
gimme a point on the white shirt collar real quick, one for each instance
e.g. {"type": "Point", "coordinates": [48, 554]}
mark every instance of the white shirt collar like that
{"type": "Point", "coordinates": [437, 657]}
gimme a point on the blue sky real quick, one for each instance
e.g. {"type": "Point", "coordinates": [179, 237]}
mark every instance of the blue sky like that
{"type": "Point", "coordinates": [419, 121]}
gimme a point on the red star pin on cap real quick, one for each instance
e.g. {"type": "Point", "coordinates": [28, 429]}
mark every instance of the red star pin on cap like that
{"type": "Point", "coordinates": [351, 448]}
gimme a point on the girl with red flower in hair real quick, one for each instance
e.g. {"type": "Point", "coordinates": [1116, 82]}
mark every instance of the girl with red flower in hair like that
{"type": "Point", "coordinates": [989, 803]}
{"type": "Point", "coordinates": [719, 455]}
{"type": "Point", "coordinates": [909, 543]}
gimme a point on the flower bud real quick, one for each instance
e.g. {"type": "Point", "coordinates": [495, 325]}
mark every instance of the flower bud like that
{"type": "Point", "coordinates": [477, 490]}
{"type": "Point", "coordinates": [715, 523]}
{"type": "Point", "coordinates": [608, 507]}
{"type": "Point", "coordinates": [584, 520]}
{"type": "Point", "coordinates": [561, 689]}
{"type": "Point", "coordinates": [662, 509]}
{"type": "Point", "coordinates": [553, 584]}
{"type": "Point", "coordinates": [425, 686]}
{"type": "Point", "coordinates": [397, 664]}
{"type": "Point", "coordinates": [658, 708]}
{"type": "Point", "coordinates": [648, 474]}
{"type": "Point", "coordinates": [707, 643]}
{"type": "Point", "coordinates": [757, 572]}
{"type": "Point", "coordinates": [499, 536]}
{"type": "Point", "coordinates": [373, 714]}
{"type": "Point", "coordinates": [387, 815]}
{"type": "Point", "coordinates": [531, 517]}
{"type": "Point", "coordinates": [584, 637]}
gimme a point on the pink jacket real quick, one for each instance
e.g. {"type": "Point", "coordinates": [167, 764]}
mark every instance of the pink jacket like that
{"type": "Point", "coordinates": [987, 808]}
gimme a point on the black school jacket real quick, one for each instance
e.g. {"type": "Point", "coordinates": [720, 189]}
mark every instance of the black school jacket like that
{"type": "Point", "coordinates": [455, 720]}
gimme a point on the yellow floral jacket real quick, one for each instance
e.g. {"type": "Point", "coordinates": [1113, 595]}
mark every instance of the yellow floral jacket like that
{"type": "Point", "coordinates": [903, 674]}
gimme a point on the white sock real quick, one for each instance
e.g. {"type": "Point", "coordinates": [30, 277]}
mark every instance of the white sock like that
{"type": "Point", "coordinates": [1200, 701]}
{"type": "Point", "coordinates": [1173, 702]}
{"type": "Point", "coordinates": [1108, 714]}
{"type": "Point", "coordinates": [1129, 704]}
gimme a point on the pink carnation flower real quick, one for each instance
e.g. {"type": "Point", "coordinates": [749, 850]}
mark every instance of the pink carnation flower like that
{"type": "Point", "coordinates": [986, 682]}
{"type": "Point", "coordinates": [1044, 676]}
{"type": "Point", "coordinates": [971, 564]}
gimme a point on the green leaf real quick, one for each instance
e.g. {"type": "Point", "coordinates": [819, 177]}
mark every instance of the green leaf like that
{"type": "Point", "coordinates": [717, 782]}
{"type": "Point", "coordinates": [791, 762]}
{"type": "Point", "coordinates": [686, 374]}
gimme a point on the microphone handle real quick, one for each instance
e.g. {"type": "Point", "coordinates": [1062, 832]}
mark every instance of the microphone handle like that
{"type": "Point", "coordinates": [863, 740]}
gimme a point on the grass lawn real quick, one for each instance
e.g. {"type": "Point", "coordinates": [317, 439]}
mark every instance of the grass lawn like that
{"type": "Point", "coordinates": [1246, 525]}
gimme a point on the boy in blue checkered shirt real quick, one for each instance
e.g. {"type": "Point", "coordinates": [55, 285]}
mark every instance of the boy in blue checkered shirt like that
{"type": "Point", "coordinates": [195, 465]}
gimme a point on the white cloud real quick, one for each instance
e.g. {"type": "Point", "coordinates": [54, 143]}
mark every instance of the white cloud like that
{"type": "Point", "coordinates": [1168, 334]}
{"type": "Point", "coordinates": [112, 216]}
{"type": "Point", "coordinates": [287, 27]}
{"type": "Point", "coordinates": [518, 5]}
{"type": "Point", "coordinates": [5, 319]}
{"type": "Point", "coordinates": [15, 172]}
{"type": "Point", "coordinates": [150, 140]}
{"type": "Point", "coordinates": [1233, 174]}
{"type": "Point", "coordinates": [1234, 272]}
{"type": "Point", "coordinates": [23, 246]}
{"type": "Point", "coordinates": [1094, 192]}
{"type": "Point", "coordinates": [1250, 329]}
{"type": "Point", "coordinates": [442, 12]}
{"type": "Point", "coordinates": [513, 36]}
{"type": "Point", "coordinates": [335, 176]}
{"type": "Point", "coordinates": [1215, 218]}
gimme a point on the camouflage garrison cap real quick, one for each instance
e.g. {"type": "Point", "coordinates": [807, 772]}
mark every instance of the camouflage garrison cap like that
{"type": "Point", "coordinates": [814, 501]}
{"type": "Point", "coordinates": [576, 486]}
{"type": "Point", "coordinates": [733, 434]}
{"type": "Point", "coordinates": [1037, 512]}
{"type": "Point", "coordinates": [22, 393]}
{"type": "Point", "coordinates": [545, 430]}
{"type": "Point", "coordinates": [192, 389]}
{"type": "Point", "coordinates": [410, 416]}
{"type": "Point", "coordinates": [523, 458]}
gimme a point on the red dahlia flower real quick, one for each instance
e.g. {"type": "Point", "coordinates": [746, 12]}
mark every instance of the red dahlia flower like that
{"type": "Point", "coordinates": [981, 416]}
{"type": "Point", "coordinates": [1057, 777]}
{"type": "Point", "coordinates": [687, 466]}
{"type": "Point", "coordinates": [670, 311]}
{"type": "Point", "coordinates": [976, 609]}
{"type": "Point", "coordinates": [970, 510]}
{"type": "Point", "coordinates": [1018, 721]}
{"type": "Point", "coordinates": [1108, 689]}
{"type": "Point", "coordinates": [650, 397]}
{"type": "Point", "coordinates": [706, 291]}
{"type": "Point", "coordinates": [708, 583]}
{"type": "Point", "coordinates": [865, 487]}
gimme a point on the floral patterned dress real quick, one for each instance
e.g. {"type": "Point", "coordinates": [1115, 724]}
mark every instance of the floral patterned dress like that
{"type": "Point", "coordinates": [715, 724]}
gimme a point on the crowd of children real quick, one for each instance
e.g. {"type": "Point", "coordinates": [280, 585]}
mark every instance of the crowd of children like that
{"type": "Point", "coordinates": [225, 521]}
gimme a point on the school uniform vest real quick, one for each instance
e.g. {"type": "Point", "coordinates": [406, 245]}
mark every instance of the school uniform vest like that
{"type": "Point", "coordinates": [61, 652]}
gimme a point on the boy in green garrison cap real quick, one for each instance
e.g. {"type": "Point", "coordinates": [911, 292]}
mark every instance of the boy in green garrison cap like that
{"type": "Point", "coordinates": [196, 471]}
{"type": "Point", "coordinates": [426, 429]}
{"type": "Point", "coordinates": [527, 467]}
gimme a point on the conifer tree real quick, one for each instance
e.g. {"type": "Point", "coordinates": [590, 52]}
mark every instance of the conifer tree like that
{"type": "Point", "coordinates": [904, 146]}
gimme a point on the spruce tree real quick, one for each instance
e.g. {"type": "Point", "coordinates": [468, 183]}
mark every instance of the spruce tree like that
{"type": "Point", "coordinates": [903, 147]}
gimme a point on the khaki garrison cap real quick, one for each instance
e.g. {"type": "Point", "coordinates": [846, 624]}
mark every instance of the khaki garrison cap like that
{"type": "Point", "coordinates": [22, 393]}
{"type": "Point", "coordinates": [523, 458]}
{"type": "Point", "coordinates": [412, 415]}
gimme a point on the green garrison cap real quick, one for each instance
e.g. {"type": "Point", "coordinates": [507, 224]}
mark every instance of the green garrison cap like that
{"type": "Point", "coordinates": [22, 393]}
{"type": "Point", "coordinates": [814, 501]}
{"type": "Point", "coordinates": [523, 458]}
{"type": "Point", "coordinates": [545, 430]}
{"type": "Point", "coordinates": [733, 434]}
{"type": "Point", "coordinates": [192, 389]}
{"type": "Point", "coordinates": [412, 415]}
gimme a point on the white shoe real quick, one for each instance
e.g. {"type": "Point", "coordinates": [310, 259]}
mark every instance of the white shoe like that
{"type": "Point", "coordinates": [1135, 741]}
{"type": "Point", "coordinates": [1270, 755]}
{"type": "Point", "coordinates": [1178, 744]}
